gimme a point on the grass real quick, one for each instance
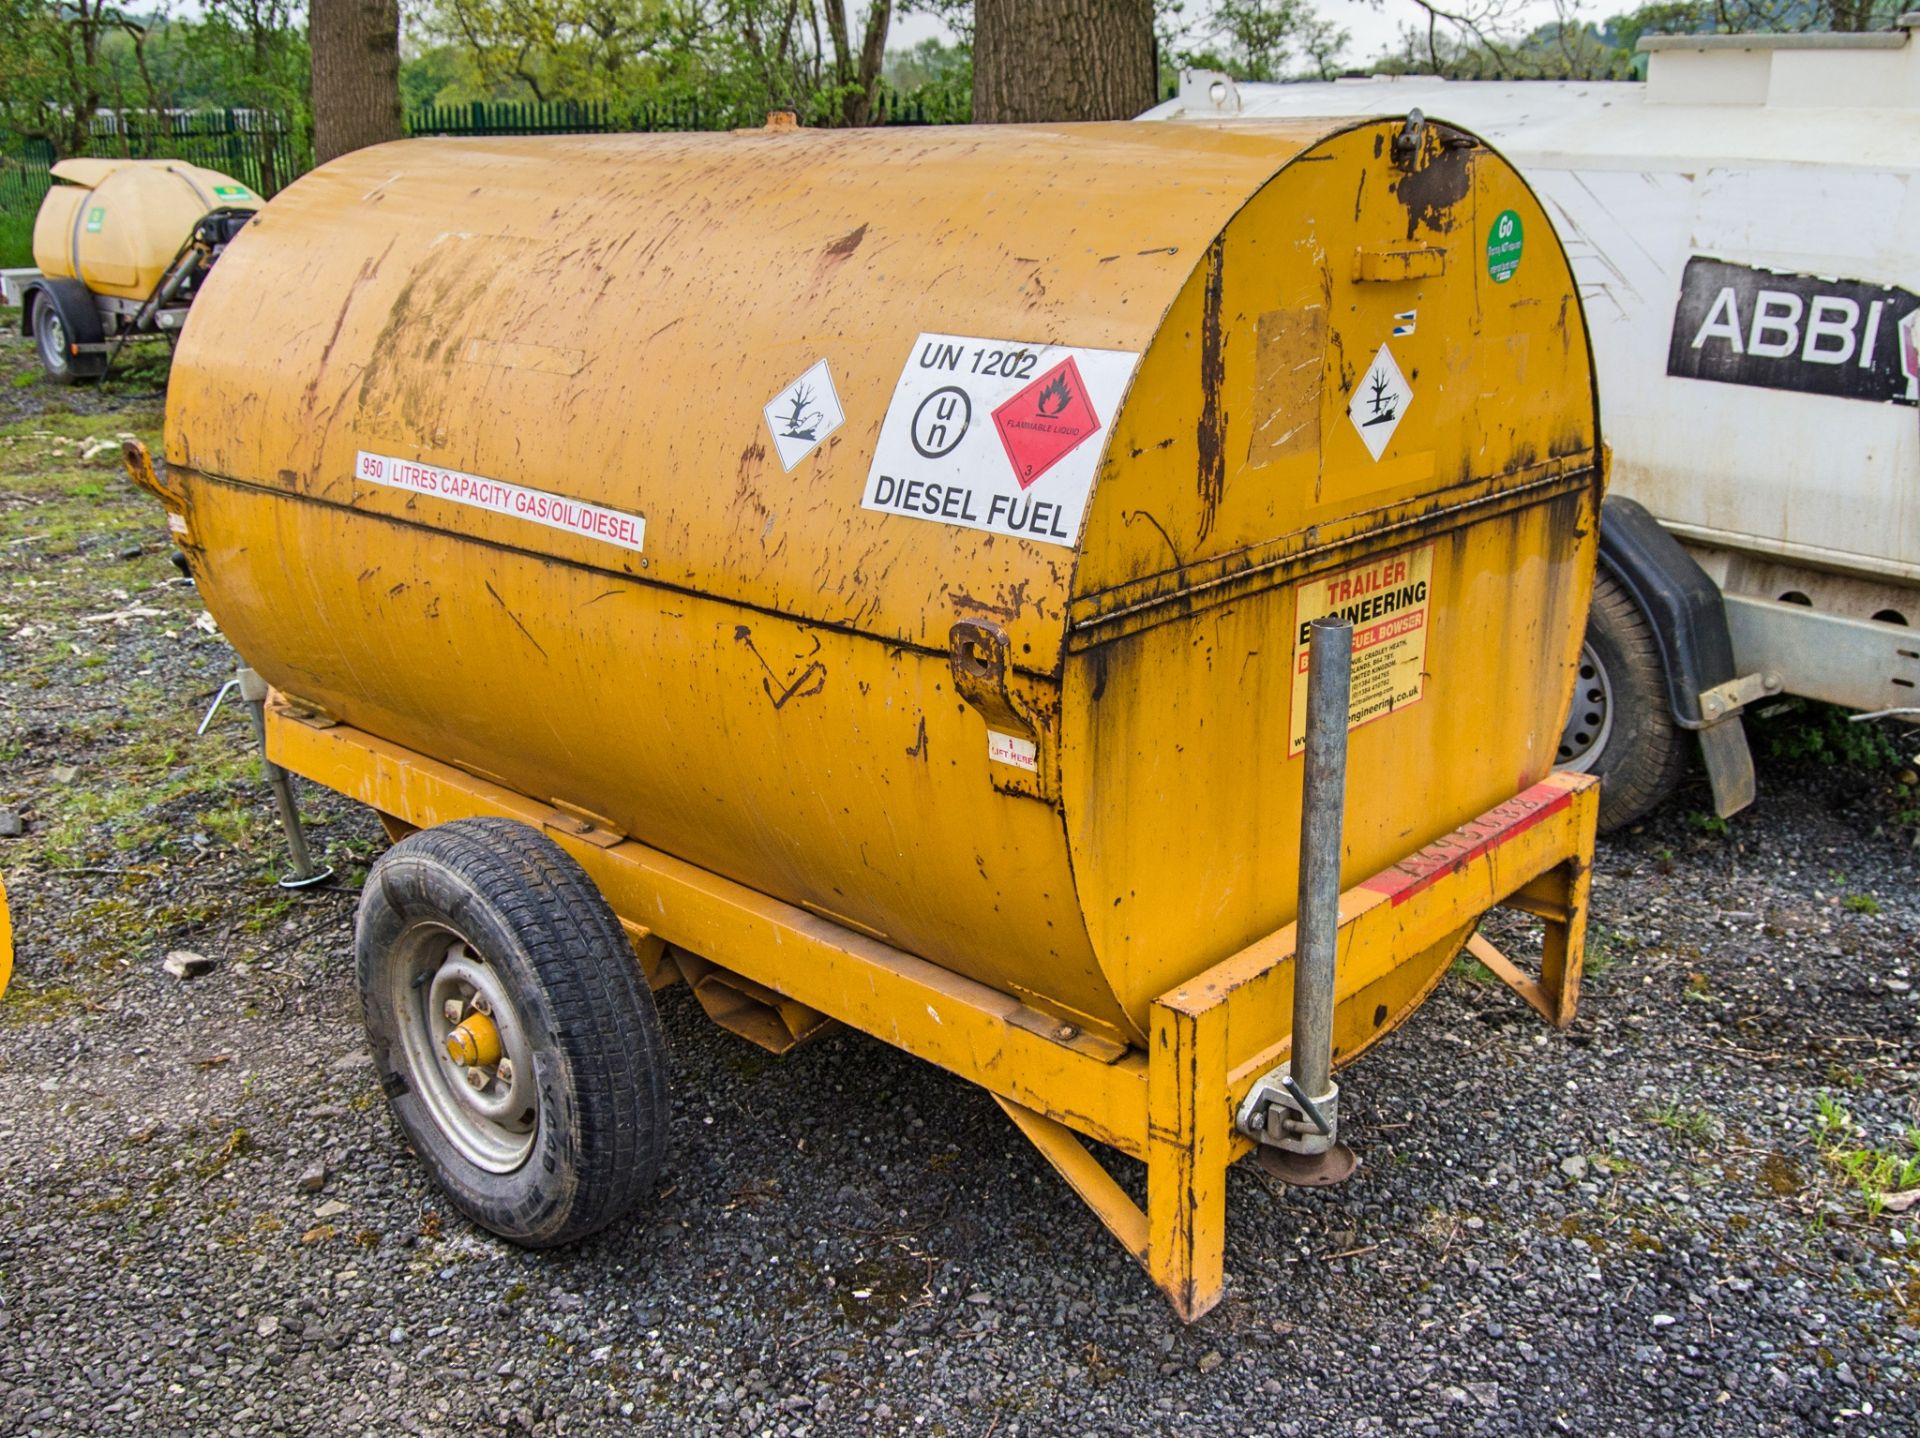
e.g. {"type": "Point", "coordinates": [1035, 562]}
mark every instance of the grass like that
{"type": "Point", "coordinates": [16, 240]}
{"type": "Point", "coordinates": [1694, 1125]}
{"type": "Point", "coordinates": [1873, 1172]}
{"type": "Point", "coordinates": [1809, 732]}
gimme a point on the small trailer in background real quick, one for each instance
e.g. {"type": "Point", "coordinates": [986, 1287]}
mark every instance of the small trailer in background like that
{"type": "Point", "coordinates": [121, 248]}
{"type": "Point", "coordinates": [1745, 229]}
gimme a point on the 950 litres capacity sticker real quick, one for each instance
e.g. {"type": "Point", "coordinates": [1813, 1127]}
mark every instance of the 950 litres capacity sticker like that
{"type": "Point", "coordinates": [555, 511]}
{"type": "Point", "coordinates": [1389, 604]}
{"type": "Point", "coordinates": [997, 435]}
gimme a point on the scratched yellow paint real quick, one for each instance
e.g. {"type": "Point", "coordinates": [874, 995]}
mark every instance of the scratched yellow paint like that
{"type": "Point", "coordinates": [765, 690]}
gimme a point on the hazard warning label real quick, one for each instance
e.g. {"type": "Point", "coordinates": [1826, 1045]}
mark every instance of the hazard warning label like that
{"type": "Point", "coordinates": [997, 435]}
{"type": "Point", "coordinates": [1387, 602]}
{"type": "Point", "coordinates": [1041, 425]}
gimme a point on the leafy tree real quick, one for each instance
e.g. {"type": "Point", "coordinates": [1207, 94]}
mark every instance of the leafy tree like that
{"type": "Point", "coordinates": [1477, 39]}
{"type": "Point", "coordinates": [68, 61]}
{"type": "Point", "coordinates": [1261, 38]}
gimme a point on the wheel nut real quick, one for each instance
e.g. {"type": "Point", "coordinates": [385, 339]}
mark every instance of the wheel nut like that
{"type": "Point", "coordinates": [474, 1041]}
{"type": "Point", "coordinates": [504, 1071]}
{"type": "Point", "coordinates": [481, 1005]}
{"type": "Point", "coordinates": [476, 1078]}
{"type": "Point", "coordinates": [453, 1010]}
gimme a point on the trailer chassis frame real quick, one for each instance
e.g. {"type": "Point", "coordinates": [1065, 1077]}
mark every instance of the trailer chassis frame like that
{"type": "Point", "coordinates": [1210, 1040]}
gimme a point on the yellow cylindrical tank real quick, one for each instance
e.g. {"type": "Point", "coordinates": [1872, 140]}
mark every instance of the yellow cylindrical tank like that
{"type": "Point", "coordinates": [115, 225]}
{"type": "Point", "coordinates": [920, 525]}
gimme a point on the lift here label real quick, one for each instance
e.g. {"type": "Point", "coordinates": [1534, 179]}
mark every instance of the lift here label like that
{"type": "Point", "coordinates": [553, 510]}
{"type": "Point", "coordinates": [997, 435]}
{"type": "Point", "coordinates": [1388, 602]}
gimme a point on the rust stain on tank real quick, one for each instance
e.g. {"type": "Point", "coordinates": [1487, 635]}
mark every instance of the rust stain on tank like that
{"type": "Point", "coordinates": [1211, 437]}
{"type": "Point", "coordinates": [841, 249]}
{"type": "Point", "coordinates": [1430, 191]}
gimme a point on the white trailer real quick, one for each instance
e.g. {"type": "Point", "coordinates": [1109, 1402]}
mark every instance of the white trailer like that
{"type": "Point", "coordinates": [1745, 227]}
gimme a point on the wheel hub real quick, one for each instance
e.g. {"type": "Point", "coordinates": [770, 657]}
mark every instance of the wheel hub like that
{"type": "Point", "coordinates": [468, 1054]}
{"type": "Point", "coordinates": [1590, 720]}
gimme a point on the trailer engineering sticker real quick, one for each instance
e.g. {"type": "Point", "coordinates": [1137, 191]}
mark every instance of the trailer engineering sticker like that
{"type": "Point", "coordinates": [1386, 601]}
{"type": "Point", "coordinates": [1738, 324]}
{"type": "Point", "coordinates": [803, 414]}
{"type": "Point", "coordinates": [997, 435]}
{"type": "Point", "coordinates": [553, 510]}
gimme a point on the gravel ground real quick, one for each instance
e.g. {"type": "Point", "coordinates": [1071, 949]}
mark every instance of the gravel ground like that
{"type": "Point", "coordinates": [1662, 1222]}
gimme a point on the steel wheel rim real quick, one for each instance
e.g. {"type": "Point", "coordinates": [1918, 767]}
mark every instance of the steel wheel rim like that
{"type": "Point", "coordinates": [53, 338]}
{"type": "Point", "coordinates": [492, 1127]}
{"type": "Point", "coordinates": [1590, 721]}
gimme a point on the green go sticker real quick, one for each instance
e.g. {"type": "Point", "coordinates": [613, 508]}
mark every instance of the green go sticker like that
{"type": "Point", "coordinates": [1504, 242]}
{"type": "Point", "coordinates": [96, 217]}
{"type": "Point", "coordinates": [232, 192]}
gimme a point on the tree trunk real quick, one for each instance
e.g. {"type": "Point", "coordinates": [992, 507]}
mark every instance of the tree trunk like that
{"type": "Point", "coordinates": [1062, 60]}
{"type": "Point", "coordinates": [356, 74]}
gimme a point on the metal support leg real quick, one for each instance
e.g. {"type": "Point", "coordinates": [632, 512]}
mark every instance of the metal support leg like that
{"type": "Point", "coordinates": [1189, 1145]}
{"type": "Point", "coordinates": [253, 693]}
{"type": "Point", "coordinates": [1558, 896]}
{"type": "Point", "coordinates": [1294, 1111]}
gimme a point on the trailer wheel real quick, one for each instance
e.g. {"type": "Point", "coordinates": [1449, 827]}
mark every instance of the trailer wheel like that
{"type": "Point", "coordinates": [55, 328]}
{"type": "Point", "coordinates": [1620, 726]}
{"type": "Point", "coordinates": [512, 1030]}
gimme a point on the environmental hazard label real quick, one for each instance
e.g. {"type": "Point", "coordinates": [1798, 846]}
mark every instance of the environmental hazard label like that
{"type": "Point", "coordinates": [1379, 401]}
{"type": "Point", "coordinates": [1388, 604]}
{"type": "Point", "coordinates": [555, 511]}
{"type": "Point", "coordinates": [997, 435]}
{"type": "Point", "coordinates": [803, 414]}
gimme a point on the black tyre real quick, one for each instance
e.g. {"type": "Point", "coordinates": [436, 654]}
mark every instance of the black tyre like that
{"type": "Point", "coordinates": [51, 337]}
{"type": "Point", "coordinates": [1621, 726]}
{"type": "Point", "coordinates": [552, 1121]}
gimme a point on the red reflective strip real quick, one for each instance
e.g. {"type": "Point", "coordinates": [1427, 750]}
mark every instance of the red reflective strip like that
{"type": "Point", "coordinates": [1449, 855]}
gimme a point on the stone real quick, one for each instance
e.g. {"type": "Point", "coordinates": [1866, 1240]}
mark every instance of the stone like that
{"type": "Point", "coordinates": [1574, 1166]}
{"type": "Point", "coordinates": [332, 1208]}
{"type": "Point", "coordinates": [186, 964]}
{"type": "Point", "coordinates": [314, 1177]}
{"type": "Point", "coordinates": [12, 826]}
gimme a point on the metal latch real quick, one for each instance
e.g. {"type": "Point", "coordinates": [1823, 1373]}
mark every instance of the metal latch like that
{"type": "Point", "coordinates": [1724, 699]}
{"type": "Point", "coordinates": [1406, 141]}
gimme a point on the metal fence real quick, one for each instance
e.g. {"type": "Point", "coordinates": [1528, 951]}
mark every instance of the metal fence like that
{"type": "Point", "coordinates": [598, 117]}
{"type": "Point", "coordinates": [263, 150]}
{"type": "Point", "coordinates": [268, 151]}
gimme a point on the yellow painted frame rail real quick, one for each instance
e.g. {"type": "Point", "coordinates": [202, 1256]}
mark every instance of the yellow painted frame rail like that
{"type": "Point", "coordinates": [1209, 1040]}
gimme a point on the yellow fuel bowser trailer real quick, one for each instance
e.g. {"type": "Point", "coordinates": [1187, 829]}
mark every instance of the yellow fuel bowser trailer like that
{"type": "Point", "coordinates": [868, 576]}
